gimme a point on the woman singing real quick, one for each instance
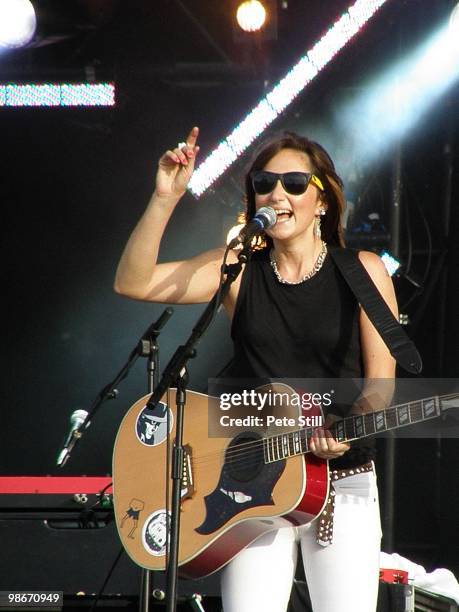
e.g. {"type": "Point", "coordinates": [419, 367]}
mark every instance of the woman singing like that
{"type": "Point", "coordinates": [292, 315]}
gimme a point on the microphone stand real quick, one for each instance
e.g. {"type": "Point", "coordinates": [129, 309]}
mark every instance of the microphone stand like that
{"type": "Point", "coordinates": [148, 347]}
{"type": "Point", "coordinates": [175, 374]}
{"type": "Point", "coordinates": [145, 347]}
{"type": "Point", "coordinates": [110, 391]}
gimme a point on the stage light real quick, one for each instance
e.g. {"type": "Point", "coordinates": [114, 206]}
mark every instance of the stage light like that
{"type": "Point", "coordinates": [251, 15]}
{"type": "Point", "coordinates": [282, 94]}
{"type": "Point", "coordinates": [392, 264]}
{"type": "Point", "coordinates": [17, 23]}
{"type": "Point", "coordinates": [52, 94]}
{"type": "Point", "coordinates": [393, 103]}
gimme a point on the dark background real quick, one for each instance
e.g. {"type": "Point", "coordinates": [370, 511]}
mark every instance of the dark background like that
{"type": "Point", "coordinates": [74, 182]}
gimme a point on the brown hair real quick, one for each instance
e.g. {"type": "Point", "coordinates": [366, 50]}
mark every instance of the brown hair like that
{"type": "Point", "coordinates": [322, 166]}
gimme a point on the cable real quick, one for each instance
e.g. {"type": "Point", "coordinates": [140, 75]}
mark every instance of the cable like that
{"type": "Point", "coordinates": [109, 574]}
{"type": "Point", "coordinates": [118, 557]}
{"type": "Point", "coordinates": [409, 257]}
{"type": "Point", "coordinates": [418, 291]}
{"type": "Point", "coordinates": [220, 284]}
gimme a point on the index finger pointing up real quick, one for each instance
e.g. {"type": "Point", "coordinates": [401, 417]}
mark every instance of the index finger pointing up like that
{"type": "Point", "coordinates": [192, 137]}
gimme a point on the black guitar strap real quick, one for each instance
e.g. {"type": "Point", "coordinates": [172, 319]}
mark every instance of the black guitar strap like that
{"type": "Point", "coordinates": [400, 346]}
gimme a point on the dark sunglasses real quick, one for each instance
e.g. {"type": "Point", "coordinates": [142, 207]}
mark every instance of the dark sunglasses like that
{"type": "Point", "coordinates": [294, 183]}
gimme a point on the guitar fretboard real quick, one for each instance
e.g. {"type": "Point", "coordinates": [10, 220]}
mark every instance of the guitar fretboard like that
{"type": "Point", "coordinates": [282, 446]}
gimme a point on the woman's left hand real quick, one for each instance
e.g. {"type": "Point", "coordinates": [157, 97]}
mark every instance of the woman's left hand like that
{"type": "Point", "coordinates": [323, 444]}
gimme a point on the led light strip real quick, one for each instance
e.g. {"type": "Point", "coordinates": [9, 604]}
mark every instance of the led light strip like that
{"type": "Point", "coordinates": [272, 105]}
{"type": "Point", "coordinates": [66, 94]}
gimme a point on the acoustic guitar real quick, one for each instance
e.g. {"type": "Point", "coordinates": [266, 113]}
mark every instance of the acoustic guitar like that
{"type": "Point", "coordinates": [234, 489]}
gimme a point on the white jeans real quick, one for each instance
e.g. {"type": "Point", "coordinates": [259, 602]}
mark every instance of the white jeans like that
{"type": "Point", "coordinates": [342, 577]}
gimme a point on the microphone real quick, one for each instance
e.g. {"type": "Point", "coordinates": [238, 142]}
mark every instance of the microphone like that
{"type": "Point", "coordinates": [77, 418]}
{"type": "Point", "coordinates": [264, 218]}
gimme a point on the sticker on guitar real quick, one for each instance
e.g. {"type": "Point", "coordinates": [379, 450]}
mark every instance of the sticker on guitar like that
{"type": "Point", "coordinates": [154, 532]}
{"type": "Point", "coordinates": [151, 425]}
{"type": "Point", "coordinates": [132, 513]}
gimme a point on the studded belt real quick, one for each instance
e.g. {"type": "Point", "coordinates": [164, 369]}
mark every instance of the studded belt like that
{"type": "Point", "coordinates": [325, 519]}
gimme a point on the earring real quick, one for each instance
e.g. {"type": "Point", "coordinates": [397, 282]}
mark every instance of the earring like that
{"type": "Point", "coordinates": [317, 228]}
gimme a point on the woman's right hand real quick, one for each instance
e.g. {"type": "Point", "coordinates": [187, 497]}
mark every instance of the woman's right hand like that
{"type": "Point", "coordinates": [176, 167]}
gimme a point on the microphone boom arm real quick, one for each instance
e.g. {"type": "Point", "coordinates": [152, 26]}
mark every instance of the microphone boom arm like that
{"type": "Point", "coordinates": [110, 391]}
{"type": "Point", "coordinates": [187, 351]}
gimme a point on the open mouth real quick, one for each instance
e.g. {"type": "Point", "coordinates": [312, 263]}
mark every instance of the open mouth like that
{"type": "Point", "coordinates": [283, 214]}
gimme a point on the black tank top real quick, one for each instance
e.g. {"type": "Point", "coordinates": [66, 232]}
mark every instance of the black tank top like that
{"type": "Point", "coordinates": [309, 330]}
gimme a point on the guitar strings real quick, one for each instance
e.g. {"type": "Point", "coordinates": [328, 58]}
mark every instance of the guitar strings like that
{"type": "Point", "coordinates": [248, 449]}
{"type": "Point", "coordinates": [250, 445]}
{"type": "Point", "coordinates": [251, 459]}
{"type": "Point", "coordinates": [245, 450]}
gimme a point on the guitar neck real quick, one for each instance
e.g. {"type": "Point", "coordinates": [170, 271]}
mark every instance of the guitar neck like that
{"type": "Point", "coordinates": [357, 427]}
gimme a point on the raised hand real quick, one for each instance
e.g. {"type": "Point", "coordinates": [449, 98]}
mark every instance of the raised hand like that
{"type": "Point", "coordinates": [176, 167]}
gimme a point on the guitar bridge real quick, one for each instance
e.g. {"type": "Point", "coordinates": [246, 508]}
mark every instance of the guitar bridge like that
{"type": "Point", "coordinates": [187, 474]}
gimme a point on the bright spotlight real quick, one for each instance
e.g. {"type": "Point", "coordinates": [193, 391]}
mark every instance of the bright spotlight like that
{"type": "Point", "coordinates": [17, 23]}
{"type": "Point", "coordinates": [394, 103]}
{"type": "Point", "coordinates": [251, 15]}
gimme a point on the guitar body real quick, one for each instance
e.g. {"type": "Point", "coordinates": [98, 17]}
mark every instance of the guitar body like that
{"type": "Point", "coordinates": [224, 505]}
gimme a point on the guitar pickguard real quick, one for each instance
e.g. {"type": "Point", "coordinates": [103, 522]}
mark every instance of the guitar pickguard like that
{"type": "Point", "coordinates": [240, 487]}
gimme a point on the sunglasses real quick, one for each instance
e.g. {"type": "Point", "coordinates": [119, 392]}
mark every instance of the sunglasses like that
{"type": "Point", "coordinates": [294, 183]}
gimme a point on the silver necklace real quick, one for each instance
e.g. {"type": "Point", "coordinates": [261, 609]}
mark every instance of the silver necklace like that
{"type": "Point", "coordinates": [315, 268]}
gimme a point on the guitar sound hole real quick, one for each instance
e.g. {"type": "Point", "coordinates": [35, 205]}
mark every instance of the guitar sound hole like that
{"type": "Point", "coordinates": [244, 457]}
